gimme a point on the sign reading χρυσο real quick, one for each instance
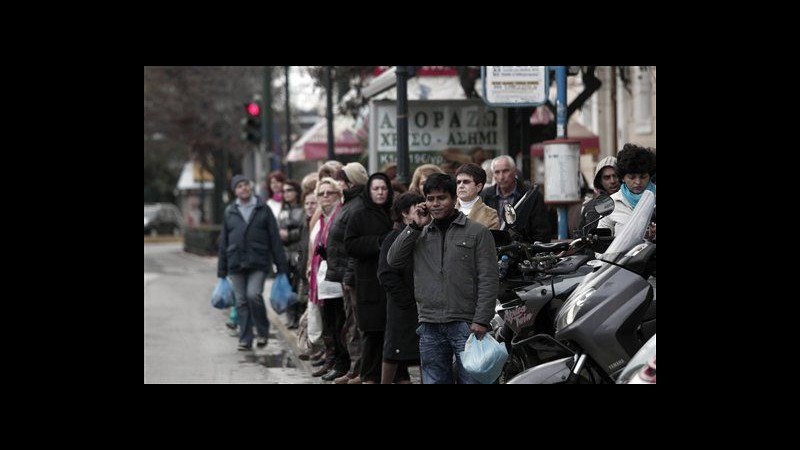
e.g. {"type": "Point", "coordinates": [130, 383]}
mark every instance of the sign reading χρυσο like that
{"type": "Point", "coordinates": [440, 124]}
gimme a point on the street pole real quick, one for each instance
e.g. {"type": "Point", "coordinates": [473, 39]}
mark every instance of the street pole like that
{"type": "Point", "coordinates": [561, 128]}
{"type": "Point", "coordinates": [266, 138]}
{"type": "Point", "coordinates": [288, 119]}
{"type": "Point", "coordinates": [329, 111]}
{"type": "Point", "coordinates": [402, 124]}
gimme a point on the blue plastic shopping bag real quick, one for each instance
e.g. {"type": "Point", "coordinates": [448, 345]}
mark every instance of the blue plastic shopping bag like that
{"type": "Point", "coordinates": [222, 297]}
{"type": "Point", "coordinates": [282, 297]}
{"type": "Point", "coordinates": [484, 359]}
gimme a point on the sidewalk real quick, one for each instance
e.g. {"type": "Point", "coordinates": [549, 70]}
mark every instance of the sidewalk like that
{"type": "Point", "coordinates": [289, 336]}
{"type": "Point", "coordinates": [276, 321]}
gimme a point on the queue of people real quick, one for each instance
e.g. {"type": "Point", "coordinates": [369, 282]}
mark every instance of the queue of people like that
{"type": "Point", "coordinates": [388, 280]}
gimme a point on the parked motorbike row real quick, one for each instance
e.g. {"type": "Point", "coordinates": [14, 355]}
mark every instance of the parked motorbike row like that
{"type": "Point", "coordinates": [569, 315]}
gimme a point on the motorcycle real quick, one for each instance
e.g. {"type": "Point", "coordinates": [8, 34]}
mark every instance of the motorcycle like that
{"type": "Point", "coordinates": [535, 280]}
{"type": "Point", "coordinates": [608, 316]}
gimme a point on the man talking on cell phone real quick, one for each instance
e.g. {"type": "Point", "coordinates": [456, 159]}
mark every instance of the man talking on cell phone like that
{"type": "Point", "coordinates": [455, 278]}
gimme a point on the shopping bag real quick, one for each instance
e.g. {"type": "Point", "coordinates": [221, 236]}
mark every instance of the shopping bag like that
{"type": "Point", "coordinates": [314, 324]}
{"type": "Point", "coordinates": [484, 359]}
{"type": "Point", "coordinates": [222, 297]}
{"type": "Point", "coordinates": [282, 297]}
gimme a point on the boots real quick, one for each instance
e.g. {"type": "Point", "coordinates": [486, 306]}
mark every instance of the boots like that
{"type": "Point", "coordinates": [293, 316]}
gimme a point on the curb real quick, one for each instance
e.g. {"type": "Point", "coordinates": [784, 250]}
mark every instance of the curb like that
{"type": "Point", "coordinates": [289, 336]}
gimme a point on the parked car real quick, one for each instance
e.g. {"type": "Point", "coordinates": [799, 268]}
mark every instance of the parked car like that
{"type": "Point", "coordinates": [162, 218]}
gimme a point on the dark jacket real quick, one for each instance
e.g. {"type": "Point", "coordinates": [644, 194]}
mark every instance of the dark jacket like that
{"type": "Point", "coordinates": [400, 342]}
{"type": "Point", "coordinates": [458, 285]}
{"type": "Point", "coordinates": [537, 227]}
{"type": "Point", "coordinates": [250, 245]}
{"type": "Point", "coordinates": [340, 267]}
{"type": "Point", "coordinates": [365, 232]}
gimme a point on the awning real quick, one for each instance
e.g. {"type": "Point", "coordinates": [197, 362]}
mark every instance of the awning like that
{"type": "Point", "coordinates": [314, 143]}
{"type": "Point", "coordinates": [191, 178]}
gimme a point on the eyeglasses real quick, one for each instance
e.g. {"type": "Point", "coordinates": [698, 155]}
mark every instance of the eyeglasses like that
{"type": "Point", "coordinates": [327, 193]}
{"type": "Point", "coordinates": [286, 191]}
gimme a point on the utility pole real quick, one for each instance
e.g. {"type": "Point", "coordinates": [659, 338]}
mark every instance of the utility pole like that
{"type": "Point", "coordinates": [288, 119]}
{"type": "Point", "coordinates": [329, 111]}
{"type": "Point", "coordinates": [561, 133]}
{"type": "Point", "coordinates": [402, 124]}
{"type": "Point", "coordinates": [266, 138]}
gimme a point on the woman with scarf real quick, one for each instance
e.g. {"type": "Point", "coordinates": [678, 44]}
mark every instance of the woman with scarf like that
{"type": "Point", "coordinates": [325, 294]}
{"type": "Point", "coordinates": [635, 166]}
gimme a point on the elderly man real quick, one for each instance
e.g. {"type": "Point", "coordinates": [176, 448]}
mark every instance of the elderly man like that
{"type": "Point", "coordinates": [508, 189]}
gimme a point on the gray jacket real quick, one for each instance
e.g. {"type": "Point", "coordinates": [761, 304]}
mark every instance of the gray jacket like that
{"type": "Point", "coordinates": [460, 284]}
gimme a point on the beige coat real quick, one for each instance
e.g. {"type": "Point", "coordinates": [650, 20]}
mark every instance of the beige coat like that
{"type": "Point", "coordinates": [482, 214]}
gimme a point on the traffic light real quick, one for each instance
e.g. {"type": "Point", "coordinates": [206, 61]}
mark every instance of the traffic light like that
{"type": "Point", "coordinates": [251, 124]}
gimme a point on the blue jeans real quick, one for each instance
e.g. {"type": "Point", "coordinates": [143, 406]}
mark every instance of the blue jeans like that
{"type": "Point", "coordinates": [438, 343]}
{"type": "Point", "coordinates": [248, 286]}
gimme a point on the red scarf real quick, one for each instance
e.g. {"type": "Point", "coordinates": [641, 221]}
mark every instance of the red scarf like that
{"type": "Point", "coordinates": [322, 238]}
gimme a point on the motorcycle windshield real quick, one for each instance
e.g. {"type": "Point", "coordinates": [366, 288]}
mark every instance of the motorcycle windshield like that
{"type": "Point", "coordinates": [633, 231]}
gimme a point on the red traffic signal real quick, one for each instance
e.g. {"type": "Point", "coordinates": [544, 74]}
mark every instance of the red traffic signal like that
{"type": "Point", "coordinates": [253, 109]}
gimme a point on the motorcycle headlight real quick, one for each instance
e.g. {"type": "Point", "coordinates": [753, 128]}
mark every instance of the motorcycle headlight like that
{"type": "Point", "coordinates": [571, 308]}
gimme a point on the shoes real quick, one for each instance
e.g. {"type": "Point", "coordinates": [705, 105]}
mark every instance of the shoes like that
{"type": "Point", "coordinates": [356, 380]}
{"type": "Point", "coordinates": [314, 356]}
{"type": "Point", "coordinates": [333, 374]}
{"type": "Point", "coordinates": [323, 370]}
{"type": "Point", "coordinates": [318, 362]}
{"type": "Point", "coordinates": [345, 378]}
{"type": "Point", "coordinates": [261, 342]}
{"type": "Point", "coordinates": [244, 347]}
{"type": "Point", "coordinates": [230, 325]}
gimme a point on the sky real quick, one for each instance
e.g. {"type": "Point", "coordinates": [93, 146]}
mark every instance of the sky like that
{"type": "Point", "coordinates": [303, 95]}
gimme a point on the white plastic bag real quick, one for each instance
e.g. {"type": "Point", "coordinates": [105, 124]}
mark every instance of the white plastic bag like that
{"type": "Point", "coordinates": [314, 324]}
{"type": "Point", "coordinates": [484, 359]}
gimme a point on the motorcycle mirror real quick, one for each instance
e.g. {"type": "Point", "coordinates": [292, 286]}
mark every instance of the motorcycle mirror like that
{"type": "Point", "coordinates": [510, 215]}
{"type": "Point", "coordinates": [604, 206]}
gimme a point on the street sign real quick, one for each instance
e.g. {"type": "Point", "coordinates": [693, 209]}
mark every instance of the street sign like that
{"type": "Point", "coordinates": [514, 85]}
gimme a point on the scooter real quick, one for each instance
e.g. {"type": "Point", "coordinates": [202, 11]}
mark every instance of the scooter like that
{"type": "Point", "coordinates": [535, 281]}
{"type": "Point", "coordinates": [608, 317]}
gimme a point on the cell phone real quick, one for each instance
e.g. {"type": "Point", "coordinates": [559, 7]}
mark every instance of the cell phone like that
{"type": "Point", "coordinates": [422, 210]}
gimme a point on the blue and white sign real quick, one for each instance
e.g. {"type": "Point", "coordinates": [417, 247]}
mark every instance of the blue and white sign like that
{"type": "Point", "coordinates": [514, 85]}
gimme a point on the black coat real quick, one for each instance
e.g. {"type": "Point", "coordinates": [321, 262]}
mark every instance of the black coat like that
{"type": "Point", "coordinates": [250, 245]}
{"type": "Point", "coordinates": [400, 342]}
{"type": "Point", "coordinates": [340, 266]}
{"type": "Point", "coordinates": [362, 239]}
{"type": "Point", "coordinates": [538, 227]}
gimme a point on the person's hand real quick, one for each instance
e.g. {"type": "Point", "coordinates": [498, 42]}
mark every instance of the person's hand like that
{"type": "Point", "coordinates": [650, 234]}
{"type": "Point", "coordinates": [422, 216]}
{"type": "Point", "coordinates": [284, 234]}
{"type": "Point", "coordinates": [478, 329]}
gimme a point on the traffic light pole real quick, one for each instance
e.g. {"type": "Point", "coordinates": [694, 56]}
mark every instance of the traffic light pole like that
{"type": "Point", "coordinates": [266, 136]}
